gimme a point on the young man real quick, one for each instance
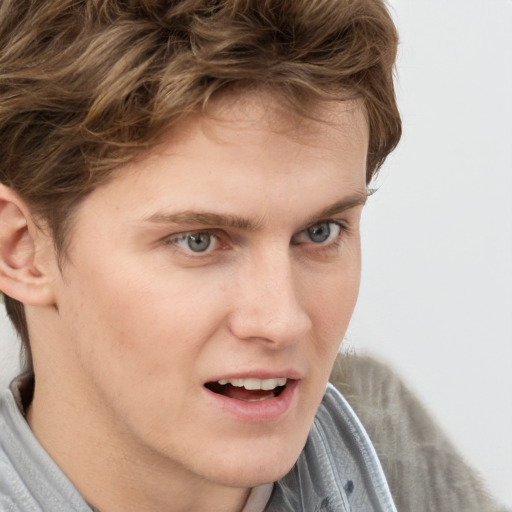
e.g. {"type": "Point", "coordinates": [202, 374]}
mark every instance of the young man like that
{"type": "Point", "coordinates": [181, 190]}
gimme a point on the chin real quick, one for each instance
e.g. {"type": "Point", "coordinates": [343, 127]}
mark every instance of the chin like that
{"type": "Point", "coordinates": [252, 476]}
{"type": "Point", "coordinates": [253, 467]}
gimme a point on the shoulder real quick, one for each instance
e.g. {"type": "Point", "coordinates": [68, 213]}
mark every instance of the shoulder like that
{"type": "Point", "coordinates": [13, 492]}
{"type": "Point", "coordinates": [424, 470]}
{"type": "Point", "coordinates": [29, 479]}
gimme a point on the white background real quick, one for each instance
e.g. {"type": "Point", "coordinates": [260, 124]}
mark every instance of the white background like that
{"type": "Point", "coordinates": [436, 294]}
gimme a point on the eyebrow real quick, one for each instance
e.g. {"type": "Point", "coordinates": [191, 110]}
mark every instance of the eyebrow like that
{"type": "Point", "coordinates": [347, 203]}
{"type": "Point", "coordinates": [210, 219]}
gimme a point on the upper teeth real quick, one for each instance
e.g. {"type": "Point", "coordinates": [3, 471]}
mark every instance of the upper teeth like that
{"type": "Point", "coordinates": [252, 384]}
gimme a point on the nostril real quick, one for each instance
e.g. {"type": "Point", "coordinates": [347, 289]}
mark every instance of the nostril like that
{"type": "Point", "coordinates": [278, 324]}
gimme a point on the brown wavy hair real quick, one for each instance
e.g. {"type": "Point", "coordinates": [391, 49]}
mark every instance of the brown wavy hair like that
{"type": "Point", "coordinates": [86, 85]}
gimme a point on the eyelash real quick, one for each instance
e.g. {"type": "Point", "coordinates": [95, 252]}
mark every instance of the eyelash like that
{"type": "Point", "coordinates": [212, 234]}
{"type": "Point", "coordinates": [218, 236]}
{"type": "Point", "coordinates": [333, 244]}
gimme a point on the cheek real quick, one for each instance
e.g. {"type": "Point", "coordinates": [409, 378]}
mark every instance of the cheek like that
{"type": "Point", "coordinates": [144, 335]}
{"type": "Point", "coordinates": [146, 322]}
{"type": "Point", "coordinates": [331, 298]}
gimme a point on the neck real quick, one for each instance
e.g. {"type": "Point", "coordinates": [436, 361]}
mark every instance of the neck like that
{"type": "Point", "coordinates": [108, 470]}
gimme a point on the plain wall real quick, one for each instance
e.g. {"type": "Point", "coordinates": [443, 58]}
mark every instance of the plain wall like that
{"type": "Point", "coordinates": [436, 292]}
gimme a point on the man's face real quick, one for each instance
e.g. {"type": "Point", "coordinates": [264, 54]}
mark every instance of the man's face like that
{"type": "Point", "coordinates": [225, 260]}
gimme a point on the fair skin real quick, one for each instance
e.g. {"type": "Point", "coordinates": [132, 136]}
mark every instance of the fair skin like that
{"type": "Point", "coordinates": [231, 251]}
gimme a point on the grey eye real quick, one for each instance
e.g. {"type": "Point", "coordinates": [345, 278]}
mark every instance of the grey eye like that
{"type": "Point", "coordinates": [198, 242]}
{"type": "Point", "coordinates": [324, 233]}
{"type": "Point", "coordinates": [320, 233]}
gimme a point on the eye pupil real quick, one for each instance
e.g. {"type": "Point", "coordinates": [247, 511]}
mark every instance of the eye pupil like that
{"type": "Point", "coordinates": [199, 242]}
{"type": "Point", "coordinates": [320, 232]}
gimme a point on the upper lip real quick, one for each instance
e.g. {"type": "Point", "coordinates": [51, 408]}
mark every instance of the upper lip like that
{"type": "Point", "coordinates": [290, 374]}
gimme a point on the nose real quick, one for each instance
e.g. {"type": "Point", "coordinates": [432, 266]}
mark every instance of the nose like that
{"type": "Point", "coordinates": [266, 305]}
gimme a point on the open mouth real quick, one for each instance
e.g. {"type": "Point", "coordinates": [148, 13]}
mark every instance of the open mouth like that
{"type": "Point", "coordinates": [248, 390]}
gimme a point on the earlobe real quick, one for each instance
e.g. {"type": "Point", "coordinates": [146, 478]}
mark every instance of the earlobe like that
{"type": "Point", "coordinates": [21, 277]}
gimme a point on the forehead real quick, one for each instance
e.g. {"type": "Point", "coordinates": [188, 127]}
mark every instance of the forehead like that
{"type": "Point", "coordinates": [246, 156]}
{"type": "Point", "coordinates": [322, 123]}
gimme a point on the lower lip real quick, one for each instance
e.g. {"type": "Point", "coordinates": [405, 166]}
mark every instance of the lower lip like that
{"type": "Point", "coordinates": [267, 410]}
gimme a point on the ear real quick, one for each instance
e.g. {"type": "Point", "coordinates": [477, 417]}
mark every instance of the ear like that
{"type": "Point", "coordinates": [25, 252]}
